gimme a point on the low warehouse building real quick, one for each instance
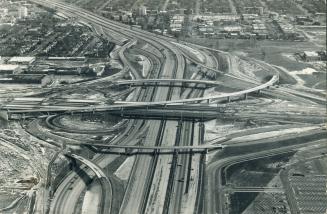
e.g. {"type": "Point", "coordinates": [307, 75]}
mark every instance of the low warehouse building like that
{"type": "Point", "coordinates": [8, 69]}
{"type": "Point", "coordinates": [22, 60]}
{"type": "Point", "coordinates": [310, 56]}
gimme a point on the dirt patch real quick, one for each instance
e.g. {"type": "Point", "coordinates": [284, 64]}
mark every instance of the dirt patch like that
{"type": "Point", "coordinates": [240, 201]}
{"type": "Point", "coordinates": [257, 173]}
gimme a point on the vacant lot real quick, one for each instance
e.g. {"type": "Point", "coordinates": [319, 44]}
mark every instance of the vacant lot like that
{"type": "Point", "coordinates": [242, 4]}
{"type": "Point", "coordinates": [217, 6]}
{"type": "Point", "coordinates": [315, 6]}
{"type": "Point", "coordinates": [287, 7]}
{"type": "Point", "coordinates": [256, 173]}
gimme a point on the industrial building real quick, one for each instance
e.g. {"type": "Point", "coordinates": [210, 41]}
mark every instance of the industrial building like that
{"type": "Point", "coordinates": [22, 60]}
{"type": "Point", "coordinates": [8, 69]}
{"type": "Point", "coordinates": [310, 56]}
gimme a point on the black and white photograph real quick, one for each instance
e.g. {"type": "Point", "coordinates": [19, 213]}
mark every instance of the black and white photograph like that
{"type": "Point", "coordinates": [163, 107]}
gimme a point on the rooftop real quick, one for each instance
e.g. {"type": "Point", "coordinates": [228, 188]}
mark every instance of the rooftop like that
{"type": "Point", "coordinates": [311, 53]}
{"type": "Point", "coordinates": [20, 59]}
{"type": "Point", "coordinates": [6, 67]}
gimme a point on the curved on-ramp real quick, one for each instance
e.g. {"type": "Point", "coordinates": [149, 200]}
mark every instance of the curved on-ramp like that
{"type": "Point", "coordinates": [106, 194]}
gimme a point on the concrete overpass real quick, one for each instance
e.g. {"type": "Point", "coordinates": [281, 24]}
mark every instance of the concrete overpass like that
{"type": "Point", "coordinates": [129, 149]}
{"type": "Point", "coordinates": [95, 168]}
{"type": "Point", "coordinates": [36, 100]}
{"type": "Point", "coordinates": [168, 82]}
{"type": "Point", "coordinates": [26, 109]}
{"type": "Point", "coordinates": [106, 190]}
{"type": "Point", "coordinates": [167, 113]}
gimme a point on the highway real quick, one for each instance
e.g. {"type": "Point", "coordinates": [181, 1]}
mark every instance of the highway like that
{"type": "Point", "coordinates": [131, 127]}
{"type": "Point", "coordinates": [198, 112]}
{"type": "Point", "coordinates": [276, 92]}
{"type": "Point", "coordinates": [174, 148]}
{"type": "Point", "coordinates": [173, 68]}
{"type": "Point", "coordinates": [146, 161]}
{"type": "Point", "coordinates": [145, 82]}
{"type": "Point", "coordinates": [227, 96]}
{"type": "Point", "coordinates": [96, 169]}
{"type": "Point", "coordinates": [147, 37]}
{"type": "Point", "coordinates": [170, 183]}
{"type": "Point", "coordinates": [105, 193]}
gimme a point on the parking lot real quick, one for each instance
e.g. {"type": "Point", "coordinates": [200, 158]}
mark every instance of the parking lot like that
{"type": "Point", "coordinates": [310, 193]}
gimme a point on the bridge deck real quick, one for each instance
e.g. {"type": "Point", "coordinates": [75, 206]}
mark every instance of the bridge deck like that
{"type": "Point", "coordinates": [200, 147]}
{"type": "Point", "coordinates": [146, 81]}
{"type": "Point", "coordinates": [99, 108]}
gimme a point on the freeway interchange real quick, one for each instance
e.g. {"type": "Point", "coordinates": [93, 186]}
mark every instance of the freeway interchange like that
{"type": "Point", "coordinates": [175, 168]}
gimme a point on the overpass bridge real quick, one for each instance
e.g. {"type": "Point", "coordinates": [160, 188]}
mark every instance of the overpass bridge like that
{"type": "Point", "coordinates": [106, 189]}
{"type": "Point", "coordinates": [168, 82]}
{"type": "Point", "coordinates": [95, 168]}
{"type": "Point", "coordinates": [37, 109]}
{"type": "Point", "coordinates": [192, 112]}
{"type": "Point", "coordinates": [135, 149]}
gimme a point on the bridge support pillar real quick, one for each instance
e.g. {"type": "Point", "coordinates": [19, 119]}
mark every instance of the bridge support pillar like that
{"type": "Point", "coordinates": [122, 112]}
{"type": "Point", "coordinates": [245, 96]}
{"type": "Point", "coordinates": [202, 132]}
{"type": "Point", "coordinates": [63, 146]}
{"type": "Point", "coordinates": [228, 99]}
{"type": "Point", "coordinates": [72, 163]}
{"type": "Point", "coordinates": [127, 151]}
{"type": "Point", "coordinates": [259, 91]}
{"type": "Point", "coordinates": [155, 151]}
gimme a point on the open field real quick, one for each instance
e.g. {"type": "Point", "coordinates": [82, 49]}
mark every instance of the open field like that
{"type": "Point", "coordinates": [283, 7]}
{"type": "Point", "coordinates": [256, 173]}
{"type": "Point", "coordinates": [318, 6]}
{"type": "Point", "coordinates": [217, 6]}
{"type": "Point", "coordinates": [241, 5]}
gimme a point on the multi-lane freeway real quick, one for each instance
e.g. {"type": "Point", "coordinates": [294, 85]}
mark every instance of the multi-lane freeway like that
{"type": "Point", "coordinates": [173, 68]}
